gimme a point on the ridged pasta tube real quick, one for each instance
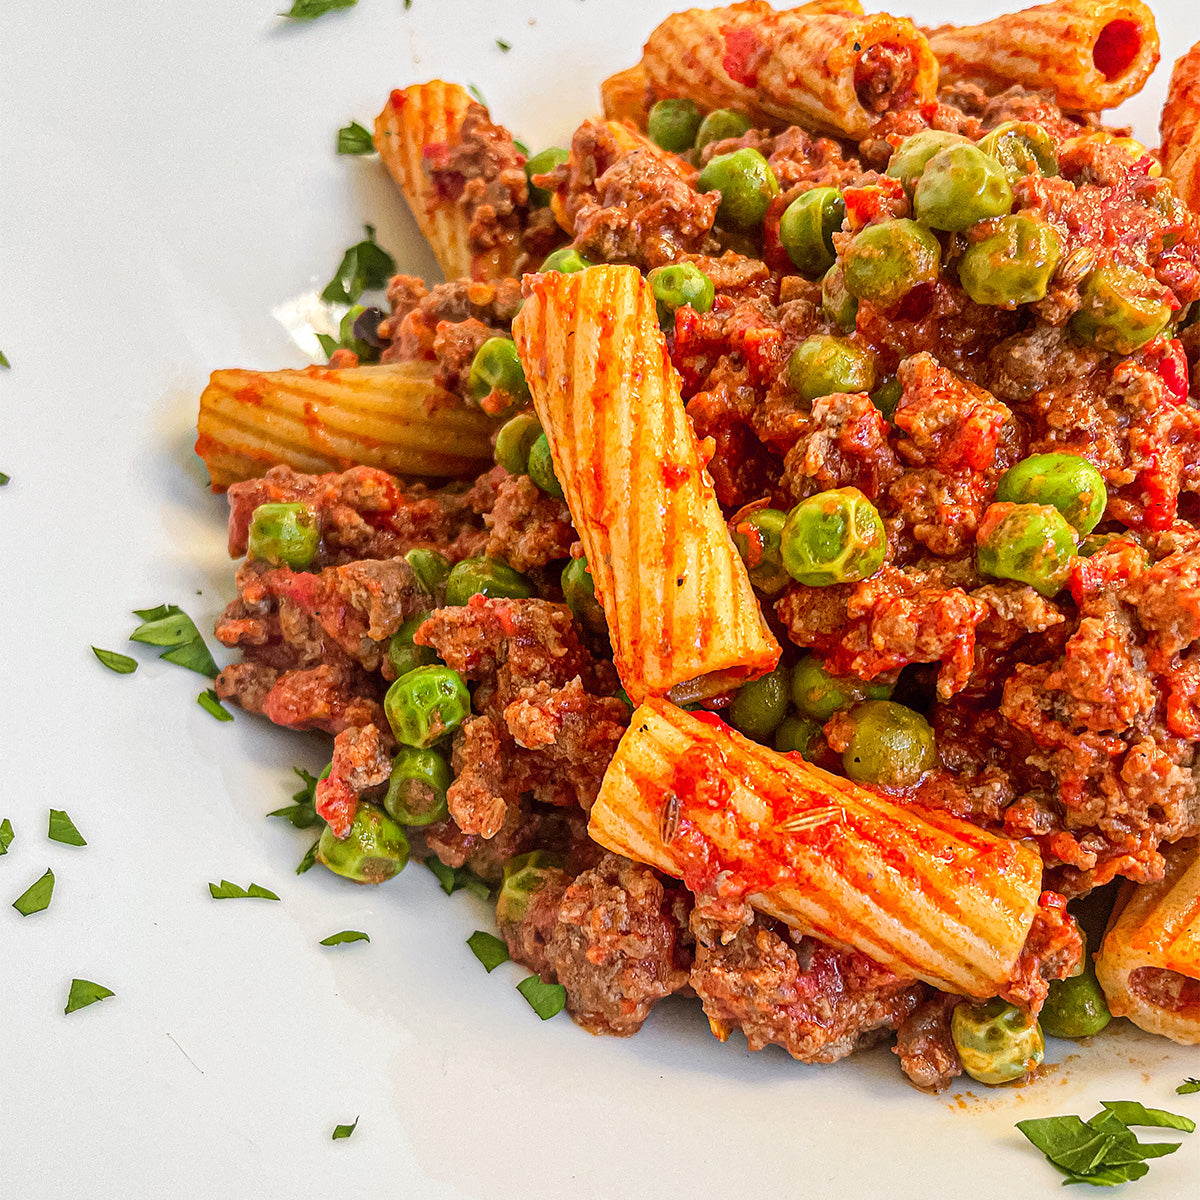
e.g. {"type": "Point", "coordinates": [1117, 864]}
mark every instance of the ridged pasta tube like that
{"type": "Point", "coordinates": [1093, 53]}
{"type": "Point", "coordinates": [679, 604]}
{"type": "Point", "coordinates": [623, 96]}
{"type": "Point", "coordinates": [1149, 961]}
{"type": "Point", "coordinates": [837, 71]}
{"type": "Point", "coordinates": [921, 892]}
{"type": "Point", "coordinates": [1181, 128]}
{"type": "Point", "coordinates": [393, 417]}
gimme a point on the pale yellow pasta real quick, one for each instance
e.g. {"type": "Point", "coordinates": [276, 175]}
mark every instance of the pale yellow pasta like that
{"type": "Point", "coordinates": [1149, 961]}
{"type": "Point", "coordinates": [1092, 54]}
{"type": "Point", "coordinates": [824, 67]}
{"type": "Point", "coordinates": [1181, 128]}
{"type": "Point", "coordinates": [923, 893]}
{"type": "Point", "coordinates": [674, 590]}
{"type": "Point", "coordinates": [393, 417]}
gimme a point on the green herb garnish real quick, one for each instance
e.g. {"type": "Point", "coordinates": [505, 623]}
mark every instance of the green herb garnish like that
{"type": "Point", "coordinates": [546, 999]}
{"type": "Point", "coordinates": [364, 266]}
{"type": "Point", "coordinates": [36, 897]}
{"type": "Point", "coordinates": [211, 703]}
{"type": "Point", "coordinates": [347, 935]}
{"type": "Point", "coordinates": [4, 363]}
{"type": "Point", "coordinates": [355, 139]}
{"type": "Point", "coordinates": [302, 812]}
{"type": "Point", "coordinates": [344, 1131]}
{"type": "Point", "coordinates": [309, 860]}
{"type": "Point", "coordinates": [489, 949]}
{"type": "Point", "coordinates": [6, 835]}
{"type": "Point", "coordinates": [62, 829]}
{"type": "Point", "coordinates": [454, 879]}
{"type": "Point", "coordinates": [309, 10]}
{"type": "Point", "coordinates": [85, 992]}
{"type": "Point", "coordinates": [503, 45]}
{"type": "Point", "coordinates": [169, 626]}
{"type": "Point", "coordinates": [231, 891]}
{"type": "Point", "coordinates": [474, 90]}
{"type": "Point", "coordinates": [1188, 1086]}
{"type": "Point", "coordinates": [122, 664]}
{"type": "Point", "coordinates": [4, 479]}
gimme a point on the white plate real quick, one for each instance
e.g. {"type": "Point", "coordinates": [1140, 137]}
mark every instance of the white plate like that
{"type": "Point", "coordinates": [167, 179]}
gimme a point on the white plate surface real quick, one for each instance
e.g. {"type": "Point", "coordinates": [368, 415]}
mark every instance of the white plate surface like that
{"type": "Point", "coordinates": [167, 180]}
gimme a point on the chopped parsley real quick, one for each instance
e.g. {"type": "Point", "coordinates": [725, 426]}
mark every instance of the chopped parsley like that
{"type": "Point", "coordinates": [310, 10]}
{"type": "Point", "coordinates": [355, 139]}
{"type": "Point", "coordinates": [546, 999]}
{"type": "Point", "coordinates": [36, 897]}
{"type": "Point", "coordinates": [4, 479]}
{"type": "Point", "coordinates": [309, 860]}
{"type": "Point", "coordinates": [347, 935]}
{"type": "Point", "coordinates": [364, 266]}
{"type": "Point", "coordinates": [474, 90]}
{"type": "Point", "coordinates": [453, 879]}
{"type": "Point", "coordinates": [62, 829]}
{"type": "Point", "coordinates": [302, 812]}
{"type": "Point", "coordinates": [122, 664]}
{"type": "Point", "coordinates": [489, 949]}
{"type": "Point", "coordinates": [169, 626]}
{"type": "Point", "coordinates": [1104, 1151]}
{"type": "Point", "coordinates": [503, 45]}
{"type": "Point", "coordinates": [1188, 1086]}
{"type": "Point", "coordinates": [6, 835]}
{"type": "Point", "coordinates": [211, 703]}
{"type": "Point", "coordinates": [231, 891]}
{"type": "Point", "coordinates": [4, 361]}
{"type": "Point", "coordinates": [344, 1131]}
{"type": "Point", "coordinates": [85, 992]}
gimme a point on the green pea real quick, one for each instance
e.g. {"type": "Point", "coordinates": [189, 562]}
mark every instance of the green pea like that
{"type": "Point", "coordinates": [797, 735]}
{"type": "Point", "coordinates": [374, 850]}
{"type": "Point", "coordinates": [497, 376]}
{"type": "Point", "coordinates": [541, 468]}
{"type": "Point", "coordinates": [996, 1041]}
{"type": "Point", "coordinates": [886, 261]}
{"type": "Point", "coordinates": [887, 396]}
{"type": "Point", "coordinates": [746, 183]}
{"type": "Point", "coordinates": [823, 365]}
{"type": "Point", "coordinates": [425, 704]}
{"type": "Point", "coordinates": [1031, 543]}
{"type": "Point", "coordinates": [580, 594]}
{"type": "Point", "coordinates": [807, 227]}
{"type": "Point", "coordinates": [756, 536]}
{"type": "Point", "coordinates": [1013, 265]}
{"type": "Point", "coordinates": [838, 305]}
{"type": "Point", "coordinates": [285, 535]}
{"type": "Point", "coordinates": [678, 285]}
{"type": "Point", "coordinates": [833, 537]}
{"type": "Point", "coordinates": [761, 705]}
{"type": "Point", "coordinates": [525, 875]}
{"type": "Point", "coordinates": [910, 157]}
{"type": "Point", "coordinates": [566, 259]}
{"type": "Point", "coordinates": [416, 792]}
{"type": "Point", "coordinates": [818, 694]}
{"type": "Point", "coordinates": [404, 653]}
{"type": "Point", "coordinates": [1070, 483]}
{"type": "Point", "coordinates": [431, 568]}
{"type": "Point", "coordinates": [720, 124]}
{"type": "Point", "coordinates": [543, 163]}
{"type": "Point", "coordinates": [485, 577]}
{"type": "Point", "coordinates": [890, 744]}
{"type": "Point", "coordinates": [673, 124]}
{"type": "Point", "coordinates": [960, 186]}
{"type": "Point", "coordinates": [515, 440]}
{"type": "Point", "coordinates": [1122, 309]}
{"type": "Point", "coordinates": [1075, 1007]}
{"type": "Point", "coordinates": [1021, 148]}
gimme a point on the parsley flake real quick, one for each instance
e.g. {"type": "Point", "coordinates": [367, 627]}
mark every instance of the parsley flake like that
{"type": "Point", "coordinates": [355, 139]}
{"type": "Point", "coordinates": [474, 90]}
{"type": "Point", "coordinates": [6, 835]}
{"type": "Point", "coordinates": [546, 999]}
{"type": "Point", "coordinates": [4, 363]}
{"type": "Point", "coordinates": [344, 1131]}
{"type": "Point", "coordinates": [62, 829]}
{"type": "Point", "coordinates": [169, 626]}
{"type": "Point", "coordinates": [36, 897]}
{"type": "Point", "coordinates": [453, 879]}
{"type": "Point", "coordinates": [1188, 1086]}
{"type": "Point", "coordinates": [347, 935]}
{"type": "Point", "coordinates": [85, 992]}
{"type": "Point", "coordinates": [310, 10]}
{"type": "Point", "coordinates": [231, 891]}
{"type": "Point", "coordinates": [309, 860]}
{"type": "Point", "coordinates": [364, 266]}
{"type": "Point", "coordinates": [211, 703]}
{"type": "Point", "coordinates": [503, 45]}
{"type": "Point", "coordinates": [122, 664]}
{"type": "Point", "coordinates": [302, 812]}
{"type": "Point", "coordinates": [4, 479]}
{"type": "Point", "coordinates": [489, 949]}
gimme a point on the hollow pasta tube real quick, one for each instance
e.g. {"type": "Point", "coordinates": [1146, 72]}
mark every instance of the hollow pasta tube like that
{"type": "Point", "coordinates": [1181, 128]}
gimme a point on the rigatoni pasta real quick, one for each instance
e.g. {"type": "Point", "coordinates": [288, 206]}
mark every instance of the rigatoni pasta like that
{"type": "Point", "coordinates": [393, 417]}
{"type": "Point", "coordinates": [676, 595]}
{"type": "Point", "coordinates": [1181, 128]}
{"type": "Point", "coordinates": [1093, 54]}
{"type": "Point", "coordinates": [922, 893]}
{"type": "Point", "coordinates": [1149, 961]}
